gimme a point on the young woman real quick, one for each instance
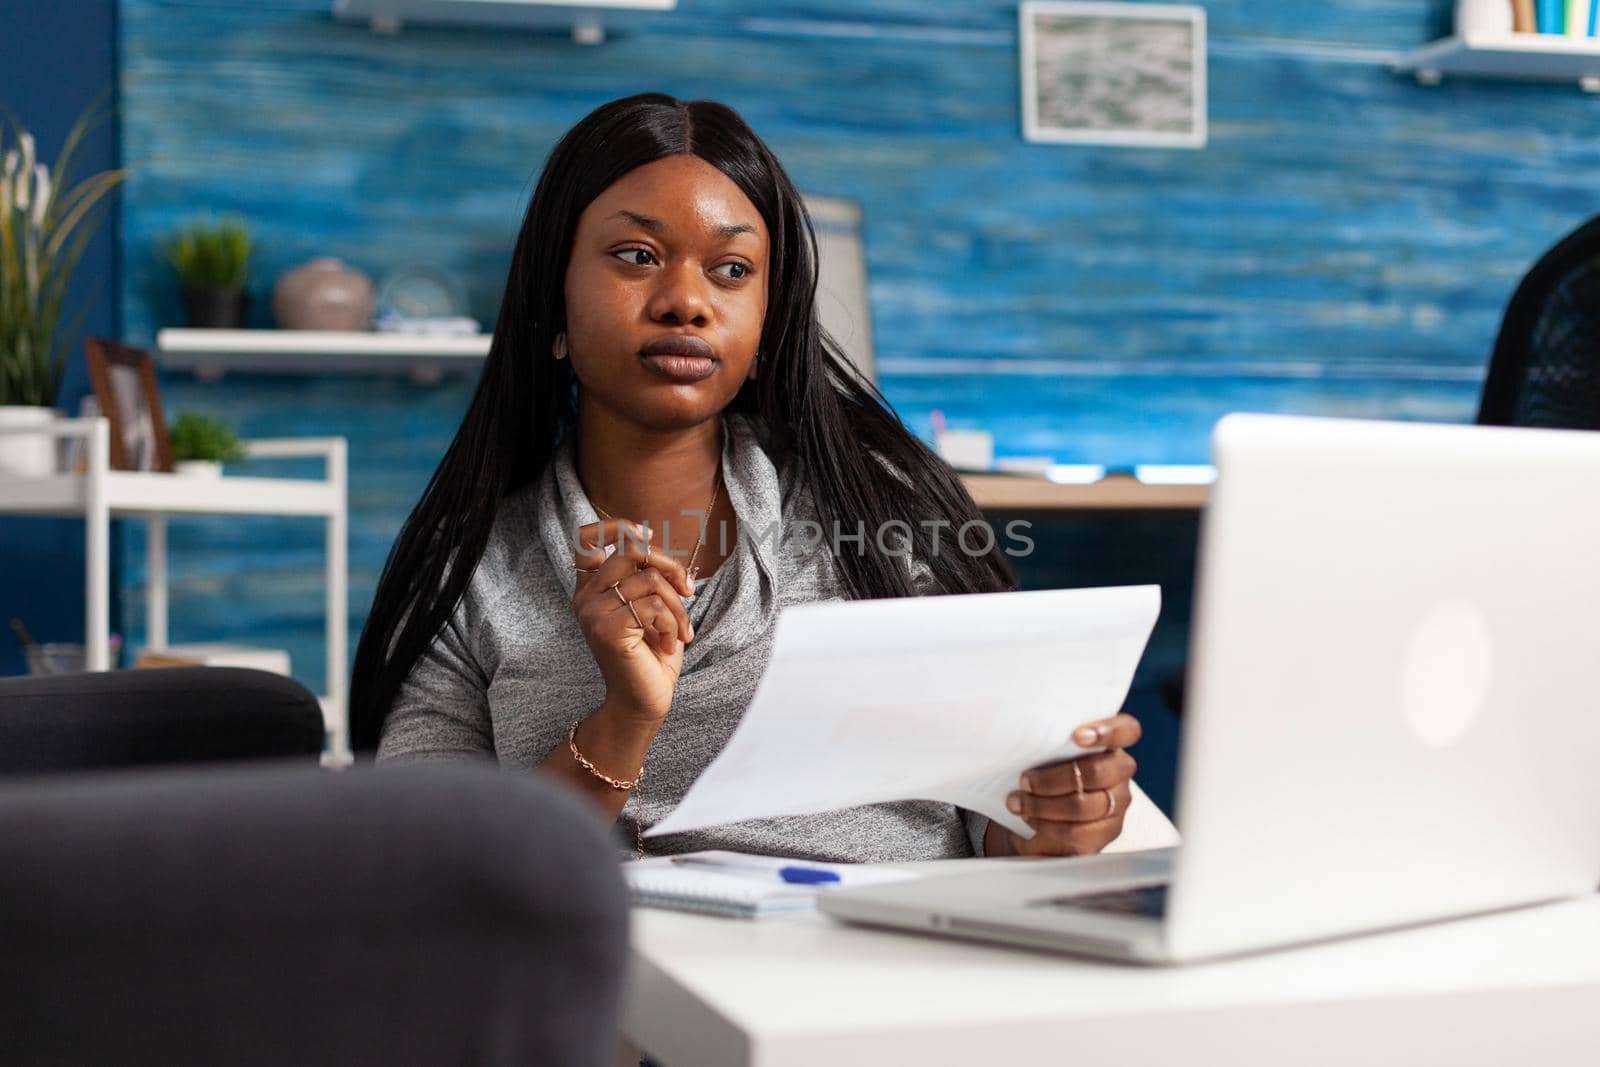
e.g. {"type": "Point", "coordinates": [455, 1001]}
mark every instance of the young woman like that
{"type": "Point", "coordinates": [590, 581]}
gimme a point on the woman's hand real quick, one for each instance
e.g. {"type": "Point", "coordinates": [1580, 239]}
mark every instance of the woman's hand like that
{"type": "Point", "coordinates": [1076, 807]}
{"type": "Point", "coordinates": [630, 608]}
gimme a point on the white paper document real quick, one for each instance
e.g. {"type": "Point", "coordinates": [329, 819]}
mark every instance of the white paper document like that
{"type": "Point", "coordinates": [943, 698]}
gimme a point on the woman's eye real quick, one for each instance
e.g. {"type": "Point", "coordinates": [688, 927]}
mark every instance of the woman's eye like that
{"type": "Point", "coordinates": [626, 252]}
{"type": "Point", "coordinates": [740, 267]}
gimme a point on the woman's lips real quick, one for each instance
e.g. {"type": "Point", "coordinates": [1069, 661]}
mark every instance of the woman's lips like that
{"type": "Point", "coordinates": [679, 368]}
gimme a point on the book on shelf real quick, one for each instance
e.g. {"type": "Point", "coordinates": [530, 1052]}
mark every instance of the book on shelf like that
{"type": "Point", "coordinates": [1550, 15]}
{"type": "Point", "coordinates": [1580, 15]}
{"type": "Point", "coordinates": [1522, 18]}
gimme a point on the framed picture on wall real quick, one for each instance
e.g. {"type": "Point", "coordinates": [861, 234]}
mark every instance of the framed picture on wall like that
{"type": "Point", "coordinates": [1114, 73]}
{"type": "Point", "coordinates": [124, 381]}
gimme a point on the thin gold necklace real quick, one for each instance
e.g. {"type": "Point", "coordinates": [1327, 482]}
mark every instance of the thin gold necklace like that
{"type": "Point", "coordinates": [700, 541]}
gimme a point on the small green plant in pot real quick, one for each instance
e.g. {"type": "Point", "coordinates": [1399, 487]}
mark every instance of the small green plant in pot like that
{"type": "Point", "coordinates": [201, 444]}
{"type": "Point", "coordinates": [213, 265]}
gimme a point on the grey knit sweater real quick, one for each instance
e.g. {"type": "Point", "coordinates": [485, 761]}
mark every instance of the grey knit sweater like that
{"type": "Point", "coordinates": [510, 671]}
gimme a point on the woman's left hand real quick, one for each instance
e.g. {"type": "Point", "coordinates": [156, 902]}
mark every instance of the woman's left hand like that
{"type": "Point", "coordinates": [1075, 807]}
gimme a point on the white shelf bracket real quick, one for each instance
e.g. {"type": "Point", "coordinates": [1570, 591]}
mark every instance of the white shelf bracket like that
{"type": "Point", "coordinates": [1590, 83]}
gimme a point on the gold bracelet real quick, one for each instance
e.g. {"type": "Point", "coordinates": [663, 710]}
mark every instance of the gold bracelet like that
{"type": "Point", "coordinates": [614, 783]}
{"type": "Point", "coordinates": [572, 743]}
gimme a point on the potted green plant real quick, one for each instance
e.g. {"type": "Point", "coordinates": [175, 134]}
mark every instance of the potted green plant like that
{"type": "Point", "coordinates": [45, 224]}
{"type": "Point", "coordinates": [201, 444]}
{"type": "Point", "coordinates": [213, 264]}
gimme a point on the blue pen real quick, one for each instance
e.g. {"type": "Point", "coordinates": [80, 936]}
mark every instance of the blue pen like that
{"type": "Point", "coordinates": [793, 874]}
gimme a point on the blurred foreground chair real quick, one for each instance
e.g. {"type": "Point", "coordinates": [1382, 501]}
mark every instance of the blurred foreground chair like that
{"type": "Point", "coordinates": [272, 915]}
{"type": "Point", "coordinates": [1546, 365]}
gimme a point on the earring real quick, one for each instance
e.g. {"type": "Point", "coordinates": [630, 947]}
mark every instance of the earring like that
{"type": "Point", "coordinates": [559, 349]}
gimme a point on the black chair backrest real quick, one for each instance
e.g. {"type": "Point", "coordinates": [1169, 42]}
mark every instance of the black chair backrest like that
{"type": "Point", "coordinates": [116, 719]}
{"type": "Point", "coordinates": [267, 915]}
{"type": "Point", "coordinates": [1546, 365]}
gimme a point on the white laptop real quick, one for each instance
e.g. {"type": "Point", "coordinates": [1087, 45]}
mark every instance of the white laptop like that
{"type": "Point", "coordinates": [1393, 713]}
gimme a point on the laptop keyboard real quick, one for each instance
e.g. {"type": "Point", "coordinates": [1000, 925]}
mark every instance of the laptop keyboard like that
{"type": "Point", "coordinates": [1145, 900]}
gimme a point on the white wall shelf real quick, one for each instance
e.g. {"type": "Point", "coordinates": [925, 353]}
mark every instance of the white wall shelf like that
{"type": "Point", "coordinates": [589, 19]}
{"type": "Point", "coordinates": [212, 353]}
{"type": "Point", "coordinates": [1519, 56]}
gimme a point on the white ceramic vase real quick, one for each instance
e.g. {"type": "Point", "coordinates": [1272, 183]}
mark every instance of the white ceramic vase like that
{"type": "Point", "coordinates": [1483, 18]}
{"type": "Point", "coordinates": [31, 455]}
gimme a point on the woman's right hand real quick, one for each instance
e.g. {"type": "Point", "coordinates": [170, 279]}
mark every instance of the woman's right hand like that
{"type": "Point", "coordinates": [640, 659]}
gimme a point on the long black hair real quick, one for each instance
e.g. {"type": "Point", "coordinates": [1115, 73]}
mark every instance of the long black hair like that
{"type": "Point", "coordinates": [835, 426]}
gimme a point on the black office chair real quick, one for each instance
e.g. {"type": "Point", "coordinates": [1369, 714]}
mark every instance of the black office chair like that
{"type": "Point", "coordinates": [1546, 365]}
{"type": "Point", "coordinates": [106, 720]}
{"type": "Point", "coordinates": [181, 883]}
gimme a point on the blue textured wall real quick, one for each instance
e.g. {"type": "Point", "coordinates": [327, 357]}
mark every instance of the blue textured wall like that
{"type": "Point", "coordinates": [55, 60]}
{"type": "Point", "coordinates": [1344, 244]}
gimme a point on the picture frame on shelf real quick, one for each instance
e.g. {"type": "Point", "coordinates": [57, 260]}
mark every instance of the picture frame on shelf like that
{"type": "Point", "coordinates": [1128, 74]}
{"type": "Point", "coordinates": [124, 381]}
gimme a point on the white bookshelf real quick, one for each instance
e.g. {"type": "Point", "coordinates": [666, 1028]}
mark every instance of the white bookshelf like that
{"type": "Point", "coordinates": [212, 353]}
{"type": "Point", "coordinates": [1518, 56]}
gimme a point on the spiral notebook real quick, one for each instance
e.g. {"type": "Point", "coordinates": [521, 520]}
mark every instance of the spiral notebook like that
{"type": "Point", "coordinates": [748, 892]}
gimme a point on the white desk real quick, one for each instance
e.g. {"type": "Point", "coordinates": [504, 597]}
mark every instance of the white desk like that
{"type": "Point", "coordinates": [99, 494]}
{"type": "Point", "coordinates": [1513, 989]}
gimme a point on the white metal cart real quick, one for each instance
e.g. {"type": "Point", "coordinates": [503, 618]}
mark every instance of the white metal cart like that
{"type": "Point", "coordinates": [99, 493]}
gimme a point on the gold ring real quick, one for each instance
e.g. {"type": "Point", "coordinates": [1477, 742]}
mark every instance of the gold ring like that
{"type": "Point", "coordinates": [1077, 772]}
{"type": "Point", "coordinates": [1111, 804]}
{"type": "Point", "coordinates": [627, 604]}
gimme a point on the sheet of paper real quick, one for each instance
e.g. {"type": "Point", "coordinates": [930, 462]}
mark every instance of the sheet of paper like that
{"type": "Point", "coordinates": [932, 698]}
